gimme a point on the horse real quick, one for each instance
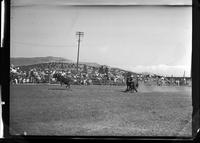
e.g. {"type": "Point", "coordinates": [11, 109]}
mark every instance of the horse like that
{"type": "Point", "coordinates": [62, 79]}
{"type": "Point", "coordinates": [132, 84]}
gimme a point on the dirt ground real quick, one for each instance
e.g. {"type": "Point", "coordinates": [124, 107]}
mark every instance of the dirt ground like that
{"type": "Point", "coordinates": [100, 110]}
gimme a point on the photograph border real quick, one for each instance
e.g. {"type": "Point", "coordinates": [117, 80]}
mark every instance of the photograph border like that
{"type": "Point", "coordinates": [5, 92]}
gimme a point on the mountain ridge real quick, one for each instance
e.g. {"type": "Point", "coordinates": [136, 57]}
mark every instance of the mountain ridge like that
{"type": "Point", "coordinates": [28, 61]}
{"type": "Point", "coordinates": [23, 61]}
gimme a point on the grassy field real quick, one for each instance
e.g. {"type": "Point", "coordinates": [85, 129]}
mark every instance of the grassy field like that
{"type": "Point", "coordinates": [100, 110]}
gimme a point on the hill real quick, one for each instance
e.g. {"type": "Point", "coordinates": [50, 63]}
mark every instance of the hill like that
{"type": "Point", "coordinates": [58, 63]}
{"type": "Point", "coordinates": [21, 61]}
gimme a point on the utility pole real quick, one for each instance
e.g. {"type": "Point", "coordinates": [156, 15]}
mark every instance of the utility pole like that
{"type": "Point", "coordinates": [79, 34]}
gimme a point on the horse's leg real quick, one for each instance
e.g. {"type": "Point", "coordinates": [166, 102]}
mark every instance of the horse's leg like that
{"type": "Point", "coordinates": [128, 87]}
{"type": "Point", "coordinates": [135, 87]}
{"type": "Point", "coordinates": [132, 90]}
{"type": "Point", "coordinates": [132, 86]}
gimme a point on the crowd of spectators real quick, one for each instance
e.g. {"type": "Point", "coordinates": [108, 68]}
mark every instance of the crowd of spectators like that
{"type": "Point", "coordinates": [86, 75]}
{"type": "Point", "coordinates": [43, 73]}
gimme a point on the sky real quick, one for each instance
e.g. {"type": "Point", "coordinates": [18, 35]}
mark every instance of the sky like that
{"type": "Point", "coordinates": [100, 2]}
{"type": "Point", "coordinates": [156, 39]}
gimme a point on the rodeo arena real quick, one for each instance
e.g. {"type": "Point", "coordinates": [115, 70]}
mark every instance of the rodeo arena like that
{"type": "Point", "coordinates": [54, 99]}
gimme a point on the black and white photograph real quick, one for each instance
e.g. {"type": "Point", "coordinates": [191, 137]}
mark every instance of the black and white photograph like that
{"type": "Point", "coordinates": [101, 68]}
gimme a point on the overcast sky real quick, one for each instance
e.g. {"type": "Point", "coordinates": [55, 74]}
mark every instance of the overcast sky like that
{"type": "Point", "coordinates": [139, 38]}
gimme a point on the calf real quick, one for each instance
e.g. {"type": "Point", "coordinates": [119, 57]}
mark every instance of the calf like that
{"type": "Point", "coordinates": [62, 79]}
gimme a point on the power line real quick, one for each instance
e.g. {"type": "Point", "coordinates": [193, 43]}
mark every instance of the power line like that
{"type": "Point", "coordinates": [79, 34]}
